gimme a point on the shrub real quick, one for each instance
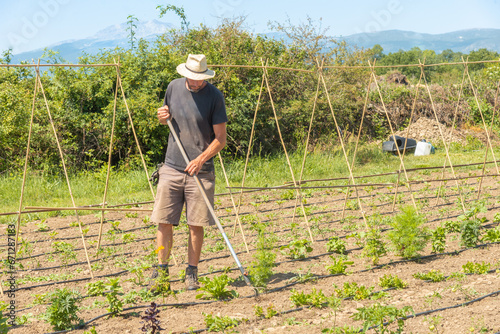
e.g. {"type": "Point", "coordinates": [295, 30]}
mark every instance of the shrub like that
{"type": "Point", "coordinates": [407, 237]}
{"type": "Point", "coordinates": [62, 309]}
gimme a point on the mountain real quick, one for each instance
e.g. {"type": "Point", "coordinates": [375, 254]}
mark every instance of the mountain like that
{"type": "Point", "coordinates": [458, 41]}
{"type": "Point", "coordinates": [108, 38]}
{"type": "Point", "coordinates": [390, 40]}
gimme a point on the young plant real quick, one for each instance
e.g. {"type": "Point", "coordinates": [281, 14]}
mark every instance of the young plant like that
{"type": "Point", "coordinates": [95, 289]}
{"type": "Point", "coordinates": [432, 275]}
{"type": "Point", "coordinates": [65, 250]}
{"type": "Point", "coordinates": [470, 227]}
{"type": "Point", "coordinates": [374, 246]}
{"type": "Point", "coordinates": [438, 239]}
{"type": "Point", "coordinates": [315, 298]}
{"type": "Point", "coordinates": [62, 310]}
{"type": "Point", "coordinates": [297, 249]}
{"type": "Point", "coordinates": [336, 245]}
{"type": "Point", "coordinates": [261, 269]}
{"type": "Point", "coordinates": [219, 324]}
{"type": "Point", "coordinates": [492, 235]}
{"type": "Point", "coordinates": [270, 311]}
{"type": "Point", "coordinates": [380, 317]}
{"type": "Point", "coordinates": [4, 325]}
{"type": "Point", "coordinates": [115, 304]}
{"type": "Point", "coordinates": [151, 320]}
{"type": "Point", "coordinates": [408, 237]}
{"type": "Point", "coordinates": [216, 288]}
{"type": "Point", "coordinates": [476, 268]}
{"type": "Point", "coordinates": [389, 281]}
{"type": "Point", "coordinates": [339, 266]}
{"type": "Point", "coordinates": [354, 291]}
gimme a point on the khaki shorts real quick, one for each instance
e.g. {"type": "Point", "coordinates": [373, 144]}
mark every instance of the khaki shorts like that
{"type": "Point", "coordinates": [176, 188]}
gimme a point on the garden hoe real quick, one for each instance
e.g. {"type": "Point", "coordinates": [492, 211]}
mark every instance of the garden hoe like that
{"type": "Point", "coordinates": [209, 205]}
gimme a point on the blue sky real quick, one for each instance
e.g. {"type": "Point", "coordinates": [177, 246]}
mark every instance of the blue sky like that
{"type": "Point", "coordinates": [31, 24]}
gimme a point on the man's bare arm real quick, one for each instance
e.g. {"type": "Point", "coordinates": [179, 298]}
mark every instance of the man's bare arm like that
{"type": "Point", "coordinates": [215, 147]}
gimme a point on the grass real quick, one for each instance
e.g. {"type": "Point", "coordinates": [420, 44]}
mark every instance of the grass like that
{"type": "Point", "coordinates": [43, 189]}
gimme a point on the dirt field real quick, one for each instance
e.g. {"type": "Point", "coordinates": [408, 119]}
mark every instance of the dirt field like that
{"type": "Point", "coordinates": [182, 312]}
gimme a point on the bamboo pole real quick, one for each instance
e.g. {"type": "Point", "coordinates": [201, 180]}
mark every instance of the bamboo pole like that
{"type": "Point", "coordinates": [26, 162]}
{"type": "Point", "coordinates": [357, 140]}
{"type": "Point", "coordinates": [234, 204]}
{"type": "Point", "coordinates": [444, 143]}
{"type": "Point", "coordinates": [451, 133]}
{"type": "Point", "coordinates": [108, 169]}
{"type": "Point", "coordinates": [307, 139]}
{"type": "Point", "coordinates": [250, 142]}
{"type": "Point", "coordinates": [491, 129]}
{"type": "Point", "coordinates": [343, 149]}
{"type": "Point", "coordinates": [392, 134]}
{"type": "Point", "coordinates": [406, 135]}
{"type": "Point", "coordinates": [286, 153]}
{"type": "Point", "coordinates": [65, 172]}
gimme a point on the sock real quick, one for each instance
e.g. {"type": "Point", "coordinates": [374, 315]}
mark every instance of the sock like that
{"type": "Point", "coordinates": [163, 266]}
{"type": "Point", "coordinates": [193, 267]}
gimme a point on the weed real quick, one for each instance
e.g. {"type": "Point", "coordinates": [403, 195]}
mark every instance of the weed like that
{"type": "Point", "coordinates": [219, 324]}
{"type": "Point", "coordinates": [432, 275]}
{"type": "Point", "coordinates": [20, 320]}
{"type": "Point", "coordinates": [429, 299]}
{"type": "Point", "coordinates": [476, 268]}
{"type": "Point", "coordinates": [339, 266]}
{"type": "Point", "coordinates": [458, 276]}
{"type": "Point", "coordinates": [336, 245]}
{"type": "Point", "coordinates": [62, 310]}
{"type": "Point", "coordinates": [216, 288]}
{"type": "Point", "coordinates": [389, 281]}
{"type": "Point", "coordinates": [407, 237]}
{"type": "Point", "coordinates": [91, 331]}
{"type": "Point", "coordinates": [381, 316]}
{"type": "Point", "coordinates": [66, 251]}
{"type": "Point", "coordinates": [315, 298]}
{"type": "Point", "coordinates": [346, 329]}
{"type": "Point", "coordinates": [131, 215]}
{"type": "Point", "coordinates": [128, 238]}
{"type": "Point", "coordinates": [151, 320]}
{"type": "Point", "coordinates": [452, 226]}
{"type": "Point", "coordinates": [297, 249]}
{"type": "Point", "coordinates": [42, 226]}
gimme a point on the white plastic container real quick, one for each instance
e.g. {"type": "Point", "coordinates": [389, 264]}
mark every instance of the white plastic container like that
{"type": "Point", "coordinates": [423, 148]}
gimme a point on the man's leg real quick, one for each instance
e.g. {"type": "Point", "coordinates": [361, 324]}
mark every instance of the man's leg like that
{"type": "Point", "coordinates": [195, 244]}
{"type": "Point", "coordinates": [164, 240]}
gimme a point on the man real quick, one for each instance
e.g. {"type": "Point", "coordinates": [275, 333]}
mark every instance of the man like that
{"type": "Point", "coordinates": [198, 115]}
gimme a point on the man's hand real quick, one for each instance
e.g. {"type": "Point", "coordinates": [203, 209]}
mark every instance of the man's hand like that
{"type": "Point", "coordinates": [163, 114]}
{"type": "Point", "coordinates": [194, 166]}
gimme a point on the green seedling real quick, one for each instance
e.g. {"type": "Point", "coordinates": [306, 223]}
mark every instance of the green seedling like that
{"type": "Point", "coordinates": [219, 324]}
{"type": "Point", "coordinates": [476, 268]}
{"type": "Point", "coordinates": [380, 317]}
{"type": "Point", "coordinates": [432, 275]}
{"type": "Point", "coordinates": [339, 266]}
{"type": "Point", "coordinates": [408, 237]}
{"type": "Point", "coordinates": [315, 298]}
{"type": "Point", "coordinates": [268, 314]}
{"type": "Point", "coordinates": [388, 281]}
{"type": "Point", "coordinates": [216, 288]}
{"type": "Point", "coordinates": [63, 308]}
{"type": "Point", "coordinates": [297, 249]}
{"type": "Point", "coordinates": [354, 291]}
{"type": "Point", "coordinates": [336, 245]}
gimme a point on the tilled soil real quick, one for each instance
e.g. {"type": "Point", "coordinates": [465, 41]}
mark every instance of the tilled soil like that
{"type": "Point", "coordinates": [133, 239]}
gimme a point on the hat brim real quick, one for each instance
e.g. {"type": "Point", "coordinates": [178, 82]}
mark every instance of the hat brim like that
{"type": "Point", "coordinates": [185, 72]}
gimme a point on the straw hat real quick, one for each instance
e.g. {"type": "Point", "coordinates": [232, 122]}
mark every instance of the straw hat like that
{"type": "Point", "coordinates": [195, 68]}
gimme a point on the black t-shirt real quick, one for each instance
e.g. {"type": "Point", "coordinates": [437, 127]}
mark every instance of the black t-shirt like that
{"type": "Point", "coordinates": [193, 117]}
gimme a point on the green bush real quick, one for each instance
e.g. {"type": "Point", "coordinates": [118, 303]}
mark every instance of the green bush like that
{"type": "Point", "coordinates": [408, 237]}
{"type": "Point", "coordinates": [62, 310]}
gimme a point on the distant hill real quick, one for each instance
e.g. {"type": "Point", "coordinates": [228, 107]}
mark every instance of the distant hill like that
{"type": "Point", "coordinates": [391, 40]}
{"type": "Point", "coordinates": [108, 38]}
{"type": "Point", "coordinates": [458, 41]}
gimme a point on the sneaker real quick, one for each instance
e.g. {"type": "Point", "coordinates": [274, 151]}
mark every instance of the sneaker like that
{"type": "Point", "coordinates": [159, 281]}
{"type": "Point", "coordinates": [192, 278]}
